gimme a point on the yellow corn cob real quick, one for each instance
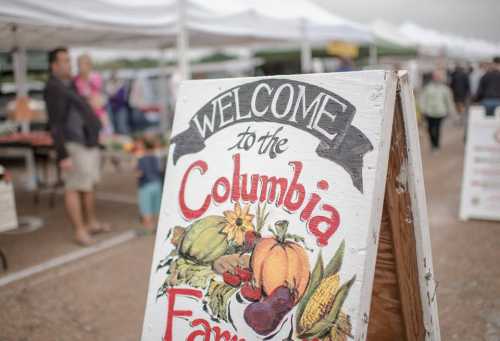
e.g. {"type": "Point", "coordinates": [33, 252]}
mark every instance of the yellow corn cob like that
{"type": "Point", "coordinates": [320, 302]}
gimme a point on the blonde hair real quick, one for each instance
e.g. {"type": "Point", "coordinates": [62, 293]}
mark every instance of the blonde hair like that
{"type": "Point", "coordinates": [84, 58]}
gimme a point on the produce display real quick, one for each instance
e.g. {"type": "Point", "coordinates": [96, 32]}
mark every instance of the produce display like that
{"type": "Point", "coordinates": [117, 142]}
{"type": "Point", "coordinates": [260, 271]}
{"type": "Point", "coordinates": [34, 138]}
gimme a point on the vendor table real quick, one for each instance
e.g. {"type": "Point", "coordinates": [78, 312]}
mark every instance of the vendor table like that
{"type": "Point", "coordinates": [25, 145]}
{"type": "Point", "coordinates": [36, 148]}
{"type": "Point", "coordinates": [24, 151]}
{"type": "Point", "coordinates": [37, 180]}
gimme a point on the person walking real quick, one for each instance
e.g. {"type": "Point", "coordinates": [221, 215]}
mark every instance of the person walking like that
{"type": "Point", "coordinates": [488, 92]}
{"type": "Point", "coordinates": [117, 92]}
{"type": "Point", "coordinates": [475, 76]}
{"type": "Point", "coordinates": [436, 102]}
{"type": "Point", "coordinates": [460, 87]}
{"type": "Point", "coordinates": [75, 131]}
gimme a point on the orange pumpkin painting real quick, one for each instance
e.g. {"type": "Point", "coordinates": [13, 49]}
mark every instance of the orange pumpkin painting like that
{"type": "Point", "coordinates": [278, 261]}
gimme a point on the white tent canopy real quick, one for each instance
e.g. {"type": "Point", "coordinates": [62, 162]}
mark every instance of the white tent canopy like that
{"type": "Point", "coordinates": [90, 23]}
{"type": "Point", "coordinates": [169, 23]}
{"type": "Point", "coordinates": [447, 44]}
{"type": "Point", "coordinates": [198, 23]}
{"type": "Point", "coordinates": [431, 42]}
{"type": "Point", "coordinates": [385, 32]}
{"type": "Point", "coordinates": [99, 23]}
{"type": "Point", "coordinates": [293, 19]}
{"type": "Point", "coordinates": [297, 20]}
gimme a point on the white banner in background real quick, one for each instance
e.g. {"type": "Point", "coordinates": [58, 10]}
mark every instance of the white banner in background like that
{"type": "Point", "coordinates": [8, 216]}
{"type": "Point", "coordinates": [481, 180]}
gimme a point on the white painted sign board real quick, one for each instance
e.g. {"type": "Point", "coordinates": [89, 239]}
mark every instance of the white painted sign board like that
{"type": "Point", "coordinates": [8, 214]}
{"type": "Point", "coordinates": [272, 207]}
{"type": "Point", "coordinates": [481, 179]}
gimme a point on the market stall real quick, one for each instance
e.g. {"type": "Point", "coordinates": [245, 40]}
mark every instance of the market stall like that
{"type": "Point", "coordinates": [173, 23]}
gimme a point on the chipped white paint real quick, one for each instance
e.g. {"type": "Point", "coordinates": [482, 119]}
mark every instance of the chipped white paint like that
{"type": "Point", "coordinates": [377, 202]}
{"type": "Point", "coordinates": [402, 177]}
{"type": "Point", "coordinates": [419, 208]}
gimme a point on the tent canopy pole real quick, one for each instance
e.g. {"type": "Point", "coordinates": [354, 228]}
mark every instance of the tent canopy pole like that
{"type": "Point", "coordinates": [183, 41]}
{"type": "Point", "coordinates": [19, 64]}
{"type": "Point", "coordinates": [373, 59]}
{"type": "Point", "coordinates": [20, 72]}
{"type": "Point", "coordinates": [163, 84]}
{"type": "Point", "coordinates": [305, 49]}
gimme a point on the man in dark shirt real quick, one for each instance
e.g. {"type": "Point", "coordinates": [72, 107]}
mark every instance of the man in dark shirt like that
{"type": "Point", "coordinates": [488, 92]}
{"type": "Point", "coordinates": [75, 131]}
{"type": "Point", "coordinates": [460, 87]}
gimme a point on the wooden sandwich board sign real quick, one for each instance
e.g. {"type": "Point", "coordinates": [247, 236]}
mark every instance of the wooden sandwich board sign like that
{"type": "Point", "coordinates": [293, 209]}
{"type": "Point", "coordinates": [481, 178]}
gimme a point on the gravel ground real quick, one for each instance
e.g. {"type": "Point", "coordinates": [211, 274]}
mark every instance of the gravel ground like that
{"type": "Point", "coordinates": [102, 297]}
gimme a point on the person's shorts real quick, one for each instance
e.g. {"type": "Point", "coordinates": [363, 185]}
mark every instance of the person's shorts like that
{"type": "Point", "coordinates": [150, 198]}
{"type": "Point", "coordinates": [86, 167]}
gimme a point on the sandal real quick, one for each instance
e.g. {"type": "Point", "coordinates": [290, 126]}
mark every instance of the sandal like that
{"type": "Point", "coordinates": [100, 228]}
{"type": "Point", "coordinates": [83, 239]}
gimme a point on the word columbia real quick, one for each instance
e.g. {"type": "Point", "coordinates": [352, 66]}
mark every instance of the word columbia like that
{"type": "Point", "coordinates": [283, 192]}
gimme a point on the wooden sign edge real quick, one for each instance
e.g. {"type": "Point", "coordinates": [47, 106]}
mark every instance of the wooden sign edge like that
{"type": "Point", "coordinates": [416, 188]}
{"type": "Point", "coordinates": [391, 80]}
{"type": "Point", "coordinates": [399, 87]}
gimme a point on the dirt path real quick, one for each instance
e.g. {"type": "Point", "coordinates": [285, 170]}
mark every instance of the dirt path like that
{"type": "Point", "coordinates": [99, 298]}
{"type": "Point", "coordinates": [102, 297]}
{"type": "Point", "coordinates": [466, 254]}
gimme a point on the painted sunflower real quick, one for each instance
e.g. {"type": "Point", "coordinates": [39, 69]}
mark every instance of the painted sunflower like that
{"type": "Point", "coordinates": [239, 221]}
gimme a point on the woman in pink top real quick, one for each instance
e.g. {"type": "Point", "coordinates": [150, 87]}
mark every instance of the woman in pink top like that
{"type": "Point", "coordinates": [89, 85]}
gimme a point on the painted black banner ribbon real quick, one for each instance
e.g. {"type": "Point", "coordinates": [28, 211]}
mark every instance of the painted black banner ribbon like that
{"type": "Point", "coordinates": [305, 106]}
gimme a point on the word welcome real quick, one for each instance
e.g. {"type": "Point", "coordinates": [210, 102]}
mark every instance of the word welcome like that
{"type": "Point", "coordinates": [322, 219]}
{"type": "Point", "coordinates": [284, 102]}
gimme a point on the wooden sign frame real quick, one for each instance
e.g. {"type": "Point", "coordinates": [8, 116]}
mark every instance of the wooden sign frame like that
{"type": "Point", "coordinates": [404, 303]}
{"type": "Point", "coordinates": [397, 293]}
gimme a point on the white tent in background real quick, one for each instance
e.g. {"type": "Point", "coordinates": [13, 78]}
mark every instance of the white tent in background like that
{"type": "Point", "coordinates": [301, 20]}
{"type": "Point", "coordinates": [170, 24]}
{"type": "Point", "coordinates": [298, 17]}
{"type": "Point", "coordinates": [43, 25]}
{"type": "Point", "coordinates": [387, 33]}
{"type": "Point", "coordinates": [449, 45]}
